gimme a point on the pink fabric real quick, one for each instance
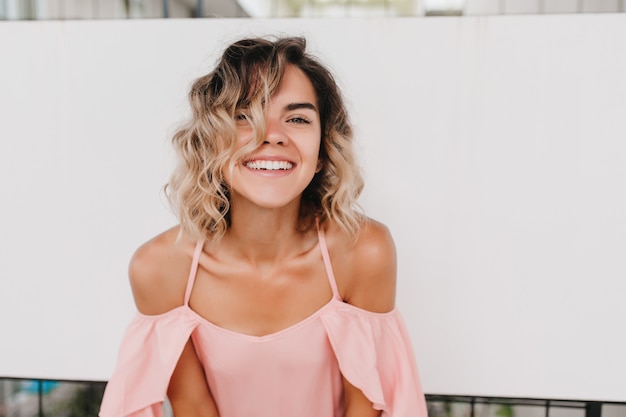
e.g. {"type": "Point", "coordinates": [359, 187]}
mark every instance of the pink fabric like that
{"type": "Point", "coordinates": [294, 372]}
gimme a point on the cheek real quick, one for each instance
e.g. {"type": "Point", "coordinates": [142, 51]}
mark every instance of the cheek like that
{"type": "Point", "coordinates": [244, 134]}
{"type": "Point", "coordinates": [227, 174]}
{"type": "Point", "coordinates": [242, 139]}
{"type": "Point", "coordinates": [318, 147]}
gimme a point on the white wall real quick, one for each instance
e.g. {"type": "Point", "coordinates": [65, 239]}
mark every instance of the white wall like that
{"type": "Point", "coordinates": [493, 148]}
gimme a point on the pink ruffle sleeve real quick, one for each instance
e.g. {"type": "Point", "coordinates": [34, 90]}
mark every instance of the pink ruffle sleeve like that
{"type": "Point", "coordinates": [147, 357]}
{"type": "Point", "coordinates": [372, 349]}
{"type": "Point", "coordinates": [375, 355]}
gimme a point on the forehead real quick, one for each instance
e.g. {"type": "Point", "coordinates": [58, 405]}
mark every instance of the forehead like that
{"type": "Point", "coordinates": [295, 86]}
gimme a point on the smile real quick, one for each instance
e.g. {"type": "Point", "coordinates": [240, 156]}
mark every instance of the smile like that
{"type": "Point", "coordinates": [269, 165]}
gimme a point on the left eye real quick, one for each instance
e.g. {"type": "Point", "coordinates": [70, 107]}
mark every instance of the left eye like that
{"type": "Point", "coordinates": [299, 120]}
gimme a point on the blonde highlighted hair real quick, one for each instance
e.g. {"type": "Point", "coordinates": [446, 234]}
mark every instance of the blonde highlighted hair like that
{"type": "Point", "coordinates": [246, 75]}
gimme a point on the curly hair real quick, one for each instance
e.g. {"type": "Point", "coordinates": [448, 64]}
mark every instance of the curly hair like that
{"type": "Point", "coordinates": [247, 74]}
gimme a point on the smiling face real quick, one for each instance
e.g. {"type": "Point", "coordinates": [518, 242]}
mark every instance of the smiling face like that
{"type": "Point", "coordinates": [276, 174]}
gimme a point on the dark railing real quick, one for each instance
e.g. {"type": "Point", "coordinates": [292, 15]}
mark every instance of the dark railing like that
{"type": "Point", "coordinates": [440, 404]}
{"type": "Point", "coordinates": [48, 398]}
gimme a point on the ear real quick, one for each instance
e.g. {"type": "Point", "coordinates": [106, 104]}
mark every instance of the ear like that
{"type": "Point", "coordinates": [319, 167]}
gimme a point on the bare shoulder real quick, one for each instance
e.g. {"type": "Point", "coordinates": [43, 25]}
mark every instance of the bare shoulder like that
{"type": "Point", "coordinates": [158, 272]}
{"type": "Point", "coordinates": [366, 268]}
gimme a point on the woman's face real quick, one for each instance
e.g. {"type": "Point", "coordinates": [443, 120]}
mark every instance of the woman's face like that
{"type": "Point", "coordinates": [277, 173]}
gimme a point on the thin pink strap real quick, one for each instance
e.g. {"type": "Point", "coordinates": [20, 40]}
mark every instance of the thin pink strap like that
{"type": "Point", "coordinates": [329, 267]}
{"type": "Point", "coordinates": [193, 271]}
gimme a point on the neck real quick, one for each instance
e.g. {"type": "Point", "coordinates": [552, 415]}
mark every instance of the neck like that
{"type": "Point", "coordinates": [264, 236]}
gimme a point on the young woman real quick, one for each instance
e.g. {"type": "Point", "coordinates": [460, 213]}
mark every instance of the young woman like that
{"type": "Point", "coordinates": [274, 296]}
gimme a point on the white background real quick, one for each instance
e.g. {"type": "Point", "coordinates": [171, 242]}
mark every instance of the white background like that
{"type": "Point", "coordinates": [493, 148]}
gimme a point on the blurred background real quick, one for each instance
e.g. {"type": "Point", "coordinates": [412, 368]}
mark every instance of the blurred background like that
{"type": "Point", "coordinates": [30, 398]}
{"type": "Point", "coordinates": [122, 9]}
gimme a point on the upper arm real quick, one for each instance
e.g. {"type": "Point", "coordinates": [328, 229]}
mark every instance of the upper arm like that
{"type": "Point", "coordinates": [366, 274]}
{"type": "Point", "coordinates": [158, 273]}
{"type": "Point", "coordinates": [188, 391]}
{"type": "Point", "coordinates": [356, 403]}
{"type": "Point", "coordinates": [371, 278]}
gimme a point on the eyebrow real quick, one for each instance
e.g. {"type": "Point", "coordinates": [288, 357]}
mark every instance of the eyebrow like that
{"type": "Point", "coordinates": [297, 106]}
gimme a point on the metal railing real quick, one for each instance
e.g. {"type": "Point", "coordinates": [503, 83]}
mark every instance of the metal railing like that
{"type": "Point", "coordinates": [48, 398]}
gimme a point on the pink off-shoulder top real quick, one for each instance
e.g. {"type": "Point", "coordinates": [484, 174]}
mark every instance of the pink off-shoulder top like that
{"type": "Point", "coordinates": [295, 372]}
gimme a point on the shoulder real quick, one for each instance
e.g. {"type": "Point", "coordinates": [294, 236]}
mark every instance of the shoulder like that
{"type": "Point", "coordinates": [158, 272]}
{"type": "Point", "coordinates": [365, 269]}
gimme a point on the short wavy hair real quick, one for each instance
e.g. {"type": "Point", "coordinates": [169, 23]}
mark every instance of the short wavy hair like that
{"type": "Point", "coordinates": [247, 74]}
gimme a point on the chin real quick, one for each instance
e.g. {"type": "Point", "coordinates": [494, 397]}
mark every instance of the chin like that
{"type": "Point", "coordinates": [272, 205]}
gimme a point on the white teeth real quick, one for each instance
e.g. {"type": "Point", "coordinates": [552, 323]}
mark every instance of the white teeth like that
{"type": "Point", "coordinates": [269, 165]}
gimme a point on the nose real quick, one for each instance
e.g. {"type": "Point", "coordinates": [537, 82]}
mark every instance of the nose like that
{"type": "Point", "coordinates": [274, 132]}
